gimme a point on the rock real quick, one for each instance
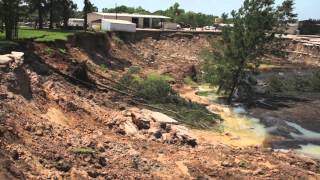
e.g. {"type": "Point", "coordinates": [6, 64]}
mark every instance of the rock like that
{"type": "Point", "coordinates": [226, 164]}
{"type": "Point", "coordinates": [103, 161]}
{"type": "Point", "coordinates": [78, 175]}
{"type": "Point", "coordinates": [5, 59]}
{"type": "Point", "coordinates": [158, 134]}
{"type": "Point", "coordinates": [162, 118]}
{"type": "Point", "coordinates": [10, 95]}
{"type": "Point", "coordinates": [39, 132]}
{"type": "Point", "coordinates": [63, 165]}
{"type": "Point", "coordinates": [130, 128]}
{"type": "Point", "coordinates": [100, 147]}
{"type": "Point", "coordinates": [258, 172]}
{"type": "Point", "coordinates": [140, 122]}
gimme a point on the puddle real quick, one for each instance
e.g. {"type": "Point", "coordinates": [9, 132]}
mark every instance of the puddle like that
{"type": "Point", "coordinates": [240, 129]}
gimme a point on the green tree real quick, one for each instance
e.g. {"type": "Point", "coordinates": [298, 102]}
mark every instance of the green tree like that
{"type": "Point", "coordinates": [39, 6]}
{"type": "Point", "coordinates": [9, 14]}
{"type": "Point", "coordinates": [235, 60]}
{"type": "Point", "coordinates": [88, 8]}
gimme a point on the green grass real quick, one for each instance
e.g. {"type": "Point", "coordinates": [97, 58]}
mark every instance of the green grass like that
{"type": "Point", "coordinates": [7, 44]}
{"type": "Point", "coordinates": [41, 35]}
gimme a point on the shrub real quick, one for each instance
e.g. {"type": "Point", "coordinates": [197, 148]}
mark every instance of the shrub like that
{"type": "Point", "coordinates": [134, 70]}
{"type": "Point", "coordinates": [315, 81]}
{"type": "Point", "coordinates": [156, 89]}
{"type": "Point", "coordinates": [49, 51]}
{"type": "Point", "coordinates": [83, 151]}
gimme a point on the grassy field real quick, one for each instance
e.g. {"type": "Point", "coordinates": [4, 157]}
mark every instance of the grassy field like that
{"type": "Point", "coordinates": [41, 35]}
{"type": "Point", "coordinates": [37, 35]}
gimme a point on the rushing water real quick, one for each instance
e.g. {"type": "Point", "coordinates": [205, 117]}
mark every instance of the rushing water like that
{"type": "Point", "coordinates": [243, 130]}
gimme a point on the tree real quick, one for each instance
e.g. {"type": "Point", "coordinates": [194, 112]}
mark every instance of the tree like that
{"type": "Point", "coordinates": [235, 60]}
{"type": "Point", "coordinates": [9, 13]}
{"type": "Point", "coordinates": [40, 7]}
{"type": "Point", "coordinates": [88, 8]}
{"type": "Point", "coordinates": [68, 9]}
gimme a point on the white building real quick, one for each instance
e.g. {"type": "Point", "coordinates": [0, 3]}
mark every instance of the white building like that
{"type": "Point", "coordinates": [74, 22]}
{"type": "Point", "coordinates": [113, 25]}
{"type": "Point", "coordinates": [141, 21]}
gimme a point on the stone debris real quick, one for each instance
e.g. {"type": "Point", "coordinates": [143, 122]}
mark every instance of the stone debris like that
{"type": "Point", "coordinates": [155, 126]}
{"type": "Point", "coordinates": [13, 60]}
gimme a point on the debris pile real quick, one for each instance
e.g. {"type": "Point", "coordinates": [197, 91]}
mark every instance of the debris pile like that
{"type": "Point", "coordinates": [12, 61]}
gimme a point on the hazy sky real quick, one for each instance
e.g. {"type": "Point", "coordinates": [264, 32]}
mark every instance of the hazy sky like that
{"type": "Point", "coordinates": [305, 8]}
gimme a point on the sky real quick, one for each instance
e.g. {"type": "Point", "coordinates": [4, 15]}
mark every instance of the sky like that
{"type": "Point", "coordinates": [306, 9]}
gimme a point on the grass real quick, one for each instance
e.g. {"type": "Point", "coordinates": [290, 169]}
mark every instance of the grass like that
{"type": "Point", "coordinates": [41, 35]}
{"type": "Point", "coordinates": [7, 44]}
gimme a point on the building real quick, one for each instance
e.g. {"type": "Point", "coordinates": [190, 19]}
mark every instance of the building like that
{"type": "Point", "coordinates": [74, 22]}
{"type": "Point", "coordinates": [113, 25]}
{"type": "Point", "coordinates": [141, 21]}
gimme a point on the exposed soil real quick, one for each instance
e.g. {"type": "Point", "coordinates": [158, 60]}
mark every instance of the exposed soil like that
{"type": "Point", "coordinates": [53, 126]}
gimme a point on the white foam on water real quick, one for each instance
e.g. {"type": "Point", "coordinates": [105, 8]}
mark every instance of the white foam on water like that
{"type": "Point", "coordinates": [310, 150]}
{"type": "Point", "coordinates": [305, 134]}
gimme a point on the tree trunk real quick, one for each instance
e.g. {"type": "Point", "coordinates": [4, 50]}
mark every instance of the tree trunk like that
{"type": "Point", "coordinates": [51, 14]}
{"type": "Point", "coordinates": [40, 15]}
{"type": "Point", "coordinates": [235, 81]}
{"type": "Point", "coordinates": [85, 12]}
{"type": "Point", "coordinates": [65, 22]}
{"type": "Point", "coordinates": [11, 25]}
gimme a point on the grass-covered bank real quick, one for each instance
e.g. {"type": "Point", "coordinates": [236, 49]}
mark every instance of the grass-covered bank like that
{"type": "Point", "coordinates": [44, 35]}
{"type": "Point", "coordinates": [156, 90]}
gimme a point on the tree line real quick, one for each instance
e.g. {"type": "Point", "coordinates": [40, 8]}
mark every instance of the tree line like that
{"type": "Point", "coordinates": [176, 14]}
{"type": "Point", "coordinates": [55, 12]}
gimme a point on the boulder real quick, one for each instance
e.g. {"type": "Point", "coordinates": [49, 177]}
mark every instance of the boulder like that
{"type": "Point", "coordinates": [140, 121]}
{"type": "Point", "coordinates": [130, 128]}
{"type": "Point", "coordinates": [5, 59]}
{"type": "Point", "coordinates": [162, 118]}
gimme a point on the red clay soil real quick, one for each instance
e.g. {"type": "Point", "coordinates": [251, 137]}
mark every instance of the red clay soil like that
{"type": "Point", "coordinates": [56, 128]}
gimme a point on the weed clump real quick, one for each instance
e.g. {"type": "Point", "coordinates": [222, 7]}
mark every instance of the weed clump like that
{"type": "Point", "coordinates": [83, 151]}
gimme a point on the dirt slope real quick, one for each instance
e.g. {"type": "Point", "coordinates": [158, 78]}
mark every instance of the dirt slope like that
{"type": "Point", "coordinates": [54, 127]}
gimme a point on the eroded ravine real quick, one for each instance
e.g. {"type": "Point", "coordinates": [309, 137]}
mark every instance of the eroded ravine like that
{"type": "Point", "coordinates": [240, 129]}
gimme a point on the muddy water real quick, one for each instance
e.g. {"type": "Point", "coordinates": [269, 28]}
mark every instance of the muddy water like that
{"type": "Point", "coordinates": [240, 129]}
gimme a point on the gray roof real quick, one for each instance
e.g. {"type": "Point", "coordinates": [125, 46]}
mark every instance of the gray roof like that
{"type": "Point", "coordinates": [131, 15]}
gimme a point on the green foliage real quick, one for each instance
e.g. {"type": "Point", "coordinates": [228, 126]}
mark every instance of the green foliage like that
{"type": "Point", "coordinates": [189, 81]}
{"type": "Point", "coordinates": [83, 151]}
{"type": "Point", "coordinates": [175, 12]}
{"type": "Point", "coordinates": [125, 9]}
{"type": "Point", "coordinates": [309, 27]}
{"type": "Point", "coordinates": [289, 85]}
{"type": "Point", "coordinates": [134, 70]}
{"type": "Point", "coordinates": [7, 44]}
{"type": "Point", "coordinates": [192, 114]}
{"type": "Point", "coordinates": [9, 15]}
{"type": "Point", "coordinates": [49, 51]}
{"type": "Point", "coordinates": [237, 55]}
{"type": "Point", "coordinates": [63, 51]}
{"type": "Point", "coordinates": [41, 35]}
{"type": "Point", "coordinates": [155, 88]}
